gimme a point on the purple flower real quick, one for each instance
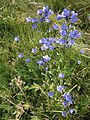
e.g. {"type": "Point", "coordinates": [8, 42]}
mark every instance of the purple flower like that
{"type": "Point", "coordinates": [46, 69]}
{"type": "Point", "coordinates": [28, 19]}
{"type": "Point", "coordinates": [17, 39]}
{"type": "Point", "coordinates": [63, 32]}
{"type": "Point", "coordinates": [39, 12]}
{"type": "Point", "coordinates": [62, 41]}
{"type": "Point", "coordinates": [63, 87]}
{"type": "Point", "coordinates": [44, 47]}
{"type": "Point", "coordinates": [43, 85]}
{"type": "Point", "coordinates": [82, 51]}
{"type": "Point", "coordinates": [70, 101]}
{"type": "Point", "coordinates": [57, 40]}
{"type": "Point", "coordinates": [71, 42]}
{"type": "Point", "coordinates": [65, 103]}
{"type": "Point", "coordinates": [51, 40]}
{"type": "Point", "coordinates": [50, 94]}
{"type": "Point", "coordinates": [47, 20]}
{"type": "Point", "coordinates": [40, 20]}
{"type": "Point", "coordinates": [74, 17]}
{"type": "Point", "coordinates": [50, 12]}
{"type": "Point", "coordinates": [46, 58]}
{"type": "Point", "coordinates": [59, 17]}
{"type": "Point", "coordinates": [64, 27]}
{"type": "Point", "coordinates": [55, 27]}
{"type": "Point", "coordinates": [74, 34]}
{"type": "Point", "coordinates": [79, 62]}
{"type": "Point", "coordinates": [40, 62]}
{"type": "Point", "coordinates": [70, 111]}
{"type": "Point", "coordinates": [65, 12]}
{"type": "Point", "coordinates": [47, 44]}
{"type": "Point", "coordinates": [61, 75]}
{"type": "Point", "coordinates": [51, 47]}
{"type": "Point", "coordinates": [20, 55]}
{"type": "Point", "coordinates": [67, 97]}
{"type": "Point", "coordinates": [49, 30]}
{"type": "Point", "coordinates": [43, 40]}
{"type": "Point", "coordinates": [34, 20]}
{"type": "Point", "coordinates": [45, 9]}
{"type": "Point", "coordinates": [67, 45]}
{"type": "Point", "coordinates": [34, 27]}
{"type": "Point", "coordinates": [73, 14]}
{"type": "Point", "coordinates": [33, 50]}
{"type": "Point", "coordinates": [64, 113]}
{"type": "Point", "coordinates": [27, 60]}
{"type": "Point", "coordinates": [59, 88]}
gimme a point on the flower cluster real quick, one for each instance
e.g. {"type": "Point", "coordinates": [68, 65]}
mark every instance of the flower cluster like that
{"type": "Point", "coordinates": [67, 37]}
{"type": "Point", "coordinates": [67, 99]}
{"type": "Point", "coordinates": [44, 13]}
{"type": "Point", "coordinates": [46, 43]}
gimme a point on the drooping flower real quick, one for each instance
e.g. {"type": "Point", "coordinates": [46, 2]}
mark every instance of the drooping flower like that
{"type": "Point", "coordinates": [57, 40]}
{"type": "Point", "coordinates": [79, 62]}
{"type": "Point", "coordinates": [50, 94]}
{"type": "Point", "coordinates": [62, 41]}
{"type": "Point", "coordinates": [40, 62]}
{"type": "Point", "coordinates": [63, 30]}
{"type": "Point", "coordinates": [74, 34]}
{"type": "Point", "coordinates": [70, 111]}
{"type": "Point", "coordinates": [50, 12]}
{"type": "Point", "coordinates": [64, 27]}
{"type": "Point", "coordinates": [45, 9]}
{"type": "Point", "coordinates": [43, 85]}
{"type": "Point", "coordinates": [33, 50]}
{"type": "Point", "coordinates": [34, 20]}
{"type": "Point", "coordinates": [46, 58]}
{"type": "Point", "coordinates": [61, 75]}
{"type": "Point", "coordinates": [59, 88]}
{"type": "Point", "coordinates": [74, 17]}
{"type": "Point", "coordinates": [51, 47]}
{"type": "Point", "coordinates": [65, 103]}
{"type": "Point", "coordinates": [63, 87]}
{"type": "Point", "coordinates": [17, 39]}
{"type": "Point", "coordinates": [28, 19]}
{"type": "Point", "coordinates": [43, 40]}
{"type": "Point", "coordinates": [47, 20]}
{"type": "Point", "coordinates": [67, 45]}
{"type": "Point", "coordinates": [39, 12]}
{"type": "Point", "coordinates": [70, 101]}
{"type": "Point", "coordinates": [65, 12]}
{"type": "Point", "coordinates": [71, 42]}
{"type": "Point", "coordinates": [67, 97]}
{"type": "Point", "coordinates": [27, 60]}
{"type": "Point", "coordinates": [44, 47]}
{"type": "Point", "coordinates": [20, 55]}
{"type": "Point", "coordinates": [55, 27]}
{"type": "Point", "coordinates": [46, 68]}
{"type": "Point", "coordinates": [41, 19]}
{"type": "Point", "coordinates": [59, 17]}
{"type": "Point", "coordinates": [82, 51]}
{"type": "Point", "coordinates": [64, 113]}
{"type": "Point", "coordinates": [51, 40]}
{"type": "Point", "coordinates": [34, 27]}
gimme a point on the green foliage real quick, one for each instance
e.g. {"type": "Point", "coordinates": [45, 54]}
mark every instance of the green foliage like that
{"type": "Point", "coordinates": [21, 93]}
